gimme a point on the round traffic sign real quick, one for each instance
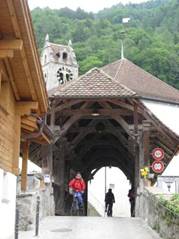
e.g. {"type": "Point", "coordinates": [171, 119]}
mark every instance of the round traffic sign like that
{"type": "Point", "coordinates": [158, 166]}
{"type": "Point", "coordinates": [158, 154]}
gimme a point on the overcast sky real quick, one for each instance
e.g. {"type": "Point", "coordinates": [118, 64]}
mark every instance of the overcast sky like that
{"type": "Point", "coordinates": [88, 5]}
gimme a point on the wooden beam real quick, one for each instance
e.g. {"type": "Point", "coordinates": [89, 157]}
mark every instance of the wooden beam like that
{"type": "Point", "coordinates": [160, 137]}
{"type": "Point", "coordinates": [121, 104]}
{"type": "Point", "coordinates": [105, 105]}
{"type": "Point", "coordinates": [69, 123]}
{"type": "Point", "coordinates": [11, 44]}
{"type": "Point", "coordinates": [25, 107]}
{"type": "Point", "coordinates": [25, 156]}
{"type": "Point", "coordinates": [105, 112]}
{"type": "Point", "coordinates": [67, 105]}
{"type": "Point", "coordinates": [84, 132]}
{"type": "Point", "coordinates": [6, 53]}
{"type": "Point", "coordinates": [11, 78]}
{"type": "Point", "coordinates": [17, 32]}
{"type": "Point", "coordinates": [125, 105]}
{"type": "Point", "coordinates": [115, 131]}
{"type": "Point", "coordinates": [14, 21]}
{"type": "Point", "coordinates": [87, 104]}
{"type": "Point", "coordinates": [123, 123]}
{"type": "Point", "coordinates": [29, 123]}
{"type": "Point", "coordinates": [28, 74]}
{"type": "Point", "coordinates": [167, 151]}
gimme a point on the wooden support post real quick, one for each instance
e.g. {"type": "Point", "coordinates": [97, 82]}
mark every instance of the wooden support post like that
{"type": "Point", "coordinates": [46, 155]}
{"type": "Point", "coordinates": [62, 175]}
{"type": "Point", "coordinates": [25, 153]}
{"type": "Point", "coordinates": [146, 143]}
{"type": "Point", "coordinates": [59, 177]}
{"type": "Point", "coordinates": [136, 151]}
{"type": "Point", "coordinates": [52, 115]}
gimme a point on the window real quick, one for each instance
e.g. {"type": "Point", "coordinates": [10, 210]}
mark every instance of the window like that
{"type": "Point", "coordinates": [65, 55]}
{"type": "Point", "coordinates": [58, 54]}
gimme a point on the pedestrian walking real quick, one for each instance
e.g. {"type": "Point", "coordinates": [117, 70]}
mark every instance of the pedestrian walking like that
{"type": "Point", "coordinates": [109, 200]}
{"type": "Point", "coordinates": [131, 196]}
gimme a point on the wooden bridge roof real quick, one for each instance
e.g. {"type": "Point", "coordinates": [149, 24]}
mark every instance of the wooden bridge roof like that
{"type": "Point", "coordinates": [143, 83]}
{"type": "Point", "coordinates": [94, 84]}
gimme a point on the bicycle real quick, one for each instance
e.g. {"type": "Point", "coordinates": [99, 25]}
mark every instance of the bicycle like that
{"type": "Point", "coordinates": [77, 208]}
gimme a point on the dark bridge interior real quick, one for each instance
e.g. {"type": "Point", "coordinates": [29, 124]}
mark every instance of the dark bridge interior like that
{"type": "Point", "coordinates": [101, 134]}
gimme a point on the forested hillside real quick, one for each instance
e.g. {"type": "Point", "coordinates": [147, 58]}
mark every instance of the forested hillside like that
{"type": "Point", "coordinates": [151, 38]}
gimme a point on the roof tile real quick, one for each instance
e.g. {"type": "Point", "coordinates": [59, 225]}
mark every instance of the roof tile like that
{"type": "Point", "coordinates": [140, 81]}
{"type": "Point", "coordinates": [94, 84]}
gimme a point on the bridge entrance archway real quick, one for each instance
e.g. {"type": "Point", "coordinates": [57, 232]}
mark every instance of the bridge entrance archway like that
{"type": "Point", "coordinates": [105, 178]}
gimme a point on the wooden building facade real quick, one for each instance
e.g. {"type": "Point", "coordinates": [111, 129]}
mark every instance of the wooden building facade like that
{"type": "Point", "coordinates": [23, 96]}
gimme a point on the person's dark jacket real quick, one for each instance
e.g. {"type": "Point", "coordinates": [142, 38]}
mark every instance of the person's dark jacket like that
{"type": "Point", "coordinates": [109, 198]}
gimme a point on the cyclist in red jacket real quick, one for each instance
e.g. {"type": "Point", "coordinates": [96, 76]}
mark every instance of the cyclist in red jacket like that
{"type": "Point", "coordinates": [77, 186]}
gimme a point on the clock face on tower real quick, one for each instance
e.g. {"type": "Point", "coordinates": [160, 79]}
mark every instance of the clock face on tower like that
{"type": "Point", "coordinates": [64, 74]}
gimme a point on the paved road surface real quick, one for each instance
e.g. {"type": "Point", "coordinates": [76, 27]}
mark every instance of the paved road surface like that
{"type": "Point", "coordinates": [92, 228]}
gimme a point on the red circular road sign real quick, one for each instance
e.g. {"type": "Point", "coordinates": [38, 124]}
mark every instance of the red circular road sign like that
{"type": "Point", "coordinates": [158, 166]}
{"type": "Point", "coordinates": [158, 154]}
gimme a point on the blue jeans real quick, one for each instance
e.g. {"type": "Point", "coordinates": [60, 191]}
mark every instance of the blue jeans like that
{"type": "Point", "coordinates": [79, 197]}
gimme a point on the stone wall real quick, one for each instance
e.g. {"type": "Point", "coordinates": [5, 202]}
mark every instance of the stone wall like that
{"type": "Point", "coordinates": [148, 206]}
{"type": "Point", "coordinates": [27, 203]}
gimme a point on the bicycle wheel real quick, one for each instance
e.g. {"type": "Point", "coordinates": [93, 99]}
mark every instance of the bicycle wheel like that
{"type": "Point", "coordinates": [74, 208]}
{"type": "Point", "coordinates": [81, 211]}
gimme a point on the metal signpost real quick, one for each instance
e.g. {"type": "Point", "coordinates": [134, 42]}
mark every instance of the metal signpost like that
{"type": "Point", "coordinates": [37, 216]}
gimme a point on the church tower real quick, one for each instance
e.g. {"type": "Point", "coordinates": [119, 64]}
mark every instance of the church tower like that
{"type": "Point", "coordinates": [59, 64]}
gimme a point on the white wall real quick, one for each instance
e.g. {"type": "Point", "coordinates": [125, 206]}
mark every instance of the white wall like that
{"type": "Point", "coordinates": [165, 112]}
{"type": "Point", "coordinates": [96, 191]}
{"type": "Point", "coordinates": [7, 205]}
{"type": "Point", "coordinates": [169, 115]}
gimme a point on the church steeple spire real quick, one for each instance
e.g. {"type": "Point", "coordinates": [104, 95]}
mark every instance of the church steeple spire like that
{"type": "Point", "coordinates": [47, 38]}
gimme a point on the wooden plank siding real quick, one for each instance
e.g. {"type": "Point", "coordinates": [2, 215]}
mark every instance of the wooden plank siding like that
{"type": "Point", "coordinates": [9, 130]}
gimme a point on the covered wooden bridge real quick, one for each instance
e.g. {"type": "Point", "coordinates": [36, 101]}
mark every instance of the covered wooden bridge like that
{"type": "Point", "coordinates": [100, 120]}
